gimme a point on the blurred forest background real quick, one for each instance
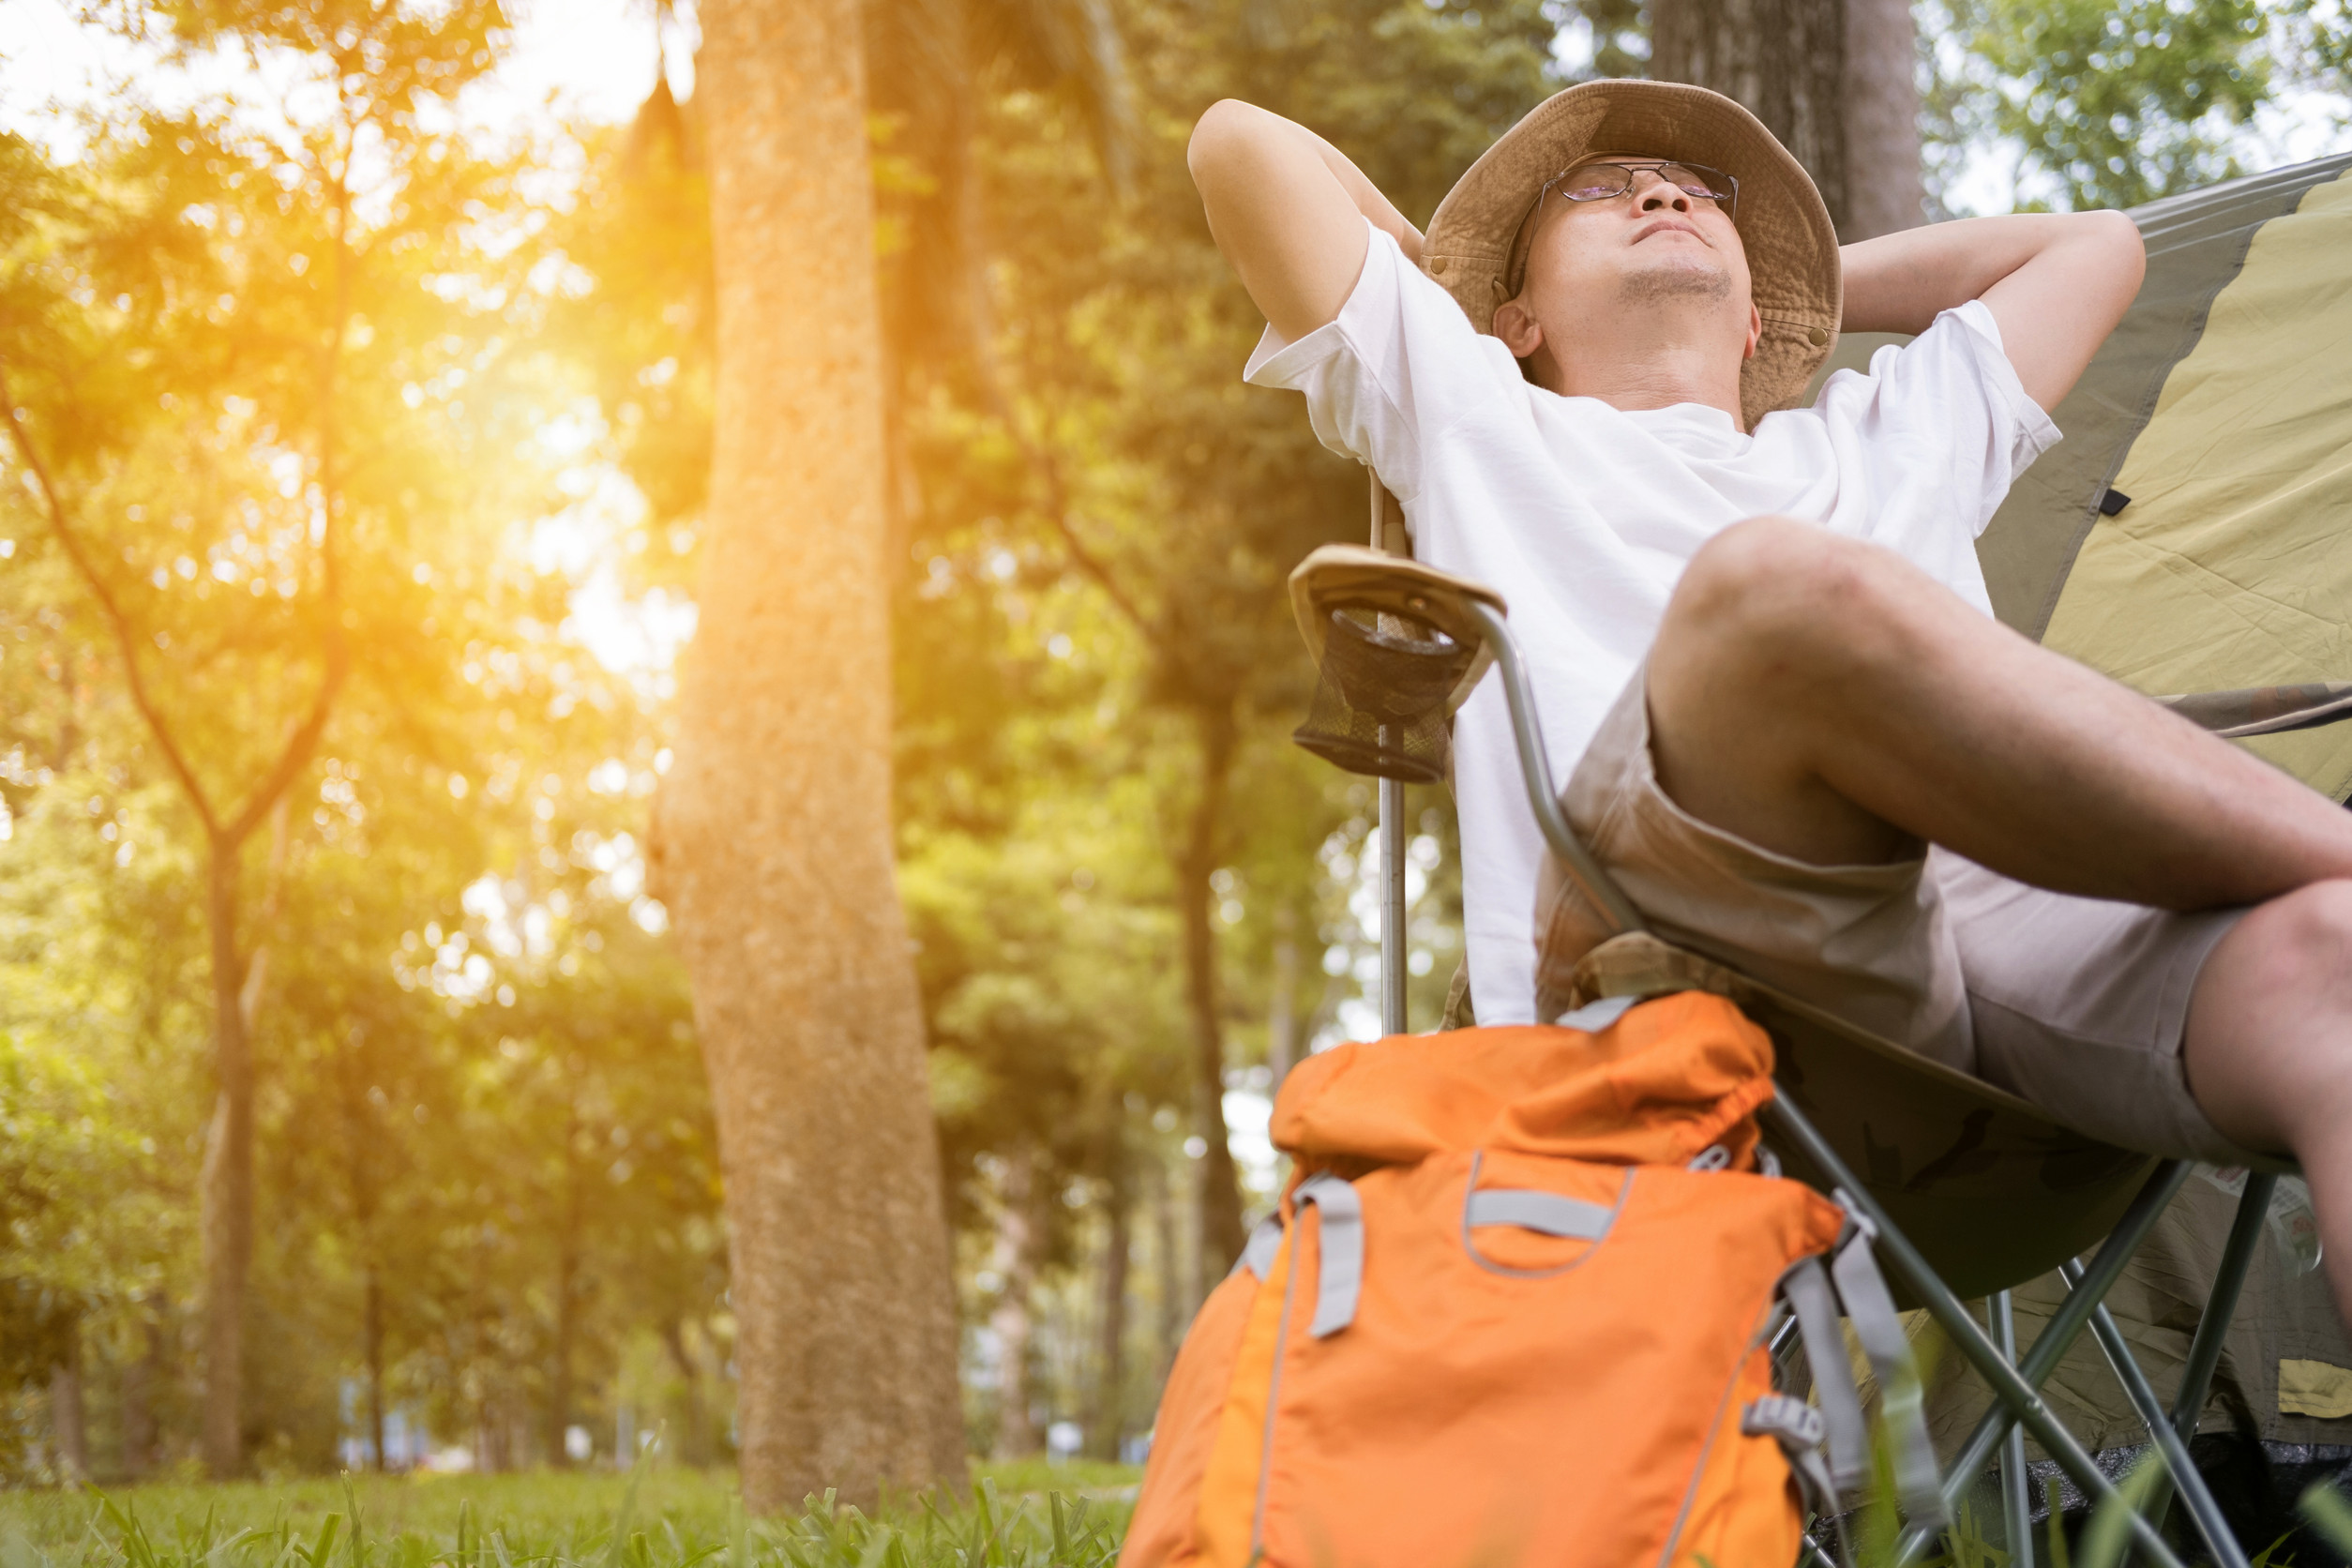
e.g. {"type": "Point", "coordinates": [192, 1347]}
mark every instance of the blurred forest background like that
{"type": "Point", "coordinates": [350, 522]}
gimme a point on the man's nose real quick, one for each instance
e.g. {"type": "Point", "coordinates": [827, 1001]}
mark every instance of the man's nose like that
{"type": "Point", "coordinates": [1653, 191]}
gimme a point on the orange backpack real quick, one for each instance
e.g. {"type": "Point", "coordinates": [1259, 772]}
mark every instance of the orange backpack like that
{"type": "Point", "coordinates": [1514, 1306]}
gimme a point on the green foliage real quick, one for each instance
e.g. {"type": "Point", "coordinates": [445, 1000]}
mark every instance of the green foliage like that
{"type": "Point", "coordinates": [2324, 1507]}
{"type": "Point", "coordinates": [2110, 106]}
{"type": "Point", "coordinates": [287, 368]}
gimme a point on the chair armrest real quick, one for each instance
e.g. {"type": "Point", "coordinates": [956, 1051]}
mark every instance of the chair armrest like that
{"type": "Point", "coordinates": [2265, 710]}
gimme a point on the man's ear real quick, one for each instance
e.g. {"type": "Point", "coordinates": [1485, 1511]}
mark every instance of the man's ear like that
{"type": "Point", "coordinates": [1755, 330]}
{"type": "Point", "coordinates": [1515, 325]}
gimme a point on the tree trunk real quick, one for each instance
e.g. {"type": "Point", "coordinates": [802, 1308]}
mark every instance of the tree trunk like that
{"type": "Point", "coordinates": [1784, 59]}
{"type": "Point", "coordinates": [1105, 1423]}
{"type": "Point", "coordinates": [228, 1180]}
{"type": "Point", "coordinates": [1281, 1013]}
{"type": "Point", "coordinates": [1833, 79]}
{"type": "Point", "coordinates": [140, 1376]}
{"type": "Point", "coordinates": [694, 1437]}
{"type": "Point", "coordinates": [559, 1383]}
{"type": "Point", "coordinates": [1176, 1302]}
{"type": "Point", "coordinates": [773, 846]}
{"type": "Point", "coordinates": [1221, 1235]}
{"type": "Point", "coordinates": [372, 1326]}
{"type": "Point", "coordinates": [1885, 190]}
{"type": "Point", "coordinates": [1013, 1319]}
{"type": "Point", "coordinates": [66, 1425]}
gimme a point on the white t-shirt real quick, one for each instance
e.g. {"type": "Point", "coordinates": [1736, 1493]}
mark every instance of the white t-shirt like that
{"type": "Point", "coordinates": [1584, 517]}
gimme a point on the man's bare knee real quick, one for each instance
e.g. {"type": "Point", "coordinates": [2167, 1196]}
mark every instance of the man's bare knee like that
{"type": "Point", "coordinates": [1773, 599]}
{"type": "Point", "coordinates": [2271, 1025]}
{"type": "Point", "coordinates": [1750, 687]}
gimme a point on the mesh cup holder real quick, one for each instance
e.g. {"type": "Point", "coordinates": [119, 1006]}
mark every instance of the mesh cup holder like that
{"type": "Point", "coordinates": [1380, 703]}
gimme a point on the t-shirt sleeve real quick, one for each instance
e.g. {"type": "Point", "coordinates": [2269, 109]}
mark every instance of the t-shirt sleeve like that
{"type": "Point", "coordinates": [1944, 411]}
{"type": "Point", "coordinates": [1399, 365]}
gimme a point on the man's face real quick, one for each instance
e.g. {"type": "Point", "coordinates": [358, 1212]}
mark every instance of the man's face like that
{"type": "Point", "coordinates": [1601, 270]}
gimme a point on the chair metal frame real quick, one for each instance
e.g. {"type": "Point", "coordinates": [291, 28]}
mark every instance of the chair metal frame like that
{"type": "Point", "coordinates": [2014, 1380]}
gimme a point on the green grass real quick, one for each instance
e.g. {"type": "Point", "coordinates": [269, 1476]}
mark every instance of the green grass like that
{"type": "Point", "coordinates": [1019, 1516]}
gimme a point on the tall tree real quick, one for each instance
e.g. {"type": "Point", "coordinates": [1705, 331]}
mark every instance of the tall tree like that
{"type": "Point", "coordinates": [1835, 80]}
{"type": "Point", "coordinates": [773, 836]}
{"type": "Point", "coordinates": [236, 705]}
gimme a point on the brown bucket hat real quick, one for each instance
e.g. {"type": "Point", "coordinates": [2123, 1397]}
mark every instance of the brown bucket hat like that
{"type": "Point", "coordinates": [1477, 242]}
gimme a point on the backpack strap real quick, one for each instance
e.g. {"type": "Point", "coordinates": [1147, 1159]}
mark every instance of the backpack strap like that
{"type": "Point", "coordinates": [1258, 1253]}
{"type": "Point", "coordinates": [1902, 1404]}
{"type": "Point", "coordinates": [1339, 1271]}
{"type": "Point", "coordinates": [1807, 1286]}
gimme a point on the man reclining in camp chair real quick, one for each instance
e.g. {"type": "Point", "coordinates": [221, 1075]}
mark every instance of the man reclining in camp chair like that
{"type": "Point", "coordinates": [1760, 639]}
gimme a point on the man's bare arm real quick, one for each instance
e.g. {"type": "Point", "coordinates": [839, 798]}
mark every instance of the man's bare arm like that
{"type": "Point", "coordinates": [2056, 283]}
{"type": "Point", "coordinates": [1288, 209]}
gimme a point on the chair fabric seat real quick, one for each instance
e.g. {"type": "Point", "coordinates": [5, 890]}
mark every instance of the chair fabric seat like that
{"type": "Point", "coordinates": [1993, 1192]}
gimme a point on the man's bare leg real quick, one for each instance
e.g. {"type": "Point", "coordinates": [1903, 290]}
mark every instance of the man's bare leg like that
{"type": "Point", "coordinates": [1827, 699]}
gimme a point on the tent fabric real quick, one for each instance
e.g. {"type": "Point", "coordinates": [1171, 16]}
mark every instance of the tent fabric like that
{"type": "Point", "coordinates": [2219, 413]}
{"type": "Point", "coordinates": [2196, 245]}
{"type": "Point", "coordinates": [2232, 563]}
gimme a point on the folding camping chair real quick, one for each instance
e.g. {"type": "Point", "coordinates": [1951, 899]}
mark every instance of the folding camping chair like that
{"type": "Point", "coordinates": [1971, 1190]}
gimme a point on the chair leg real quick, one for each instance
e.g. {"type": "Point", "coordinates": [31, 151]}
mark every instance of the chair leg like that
{"type": "Point", "coordinates": [2203, 1510]}
{"type": "Point", "coordinates": [1392, 834]}
{"type": "Point", "coordinates": [2220, 1309]}
{"type": "Point", "coordinates": [2010, 1389]}
{"type": "Point", "coordinates": [2067, 1323]}
{"type": "Point", "coordinates": [2205, 1351]}
{"type": "Point", "coordinates": [2017, 1506]}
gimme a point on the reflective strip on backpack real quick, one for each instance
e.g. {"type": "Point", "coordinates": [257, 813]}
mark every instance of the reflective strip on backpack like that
{"type": "Point", "coordinates": [1595, 1017]}
{"type": "Point", "coordinates": [1901, 1403]}
{"type": "Point", "coordinates": [1340, 1266]}
{"type": "Point", "coordinates": [1546, 1212]}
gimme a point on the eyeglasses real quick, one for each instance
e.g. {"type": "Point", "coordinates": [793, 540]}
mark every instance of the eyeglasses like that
{"type": "Point", "coordinates": [1601, 182]}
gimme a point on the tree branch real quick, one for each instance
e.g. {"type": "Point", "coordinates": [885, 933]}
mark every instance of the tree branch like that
{"type": "Point", "coordinates": [116, 618]}
{"type": "Point", "coordinates": [299, 746]}
{"type": "Point", "coordinates": [1048, 469]}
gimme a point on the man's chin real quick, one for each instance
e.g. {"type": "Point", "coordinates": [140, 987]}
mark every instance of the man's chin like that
{"type": "Point", "coordinates": [1695, 277]}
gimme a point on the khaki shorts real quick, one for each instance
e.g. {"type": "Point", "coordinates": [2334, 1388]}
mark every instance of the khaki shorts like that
{"type": "Point", "coordinates": [2076, 1004]}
